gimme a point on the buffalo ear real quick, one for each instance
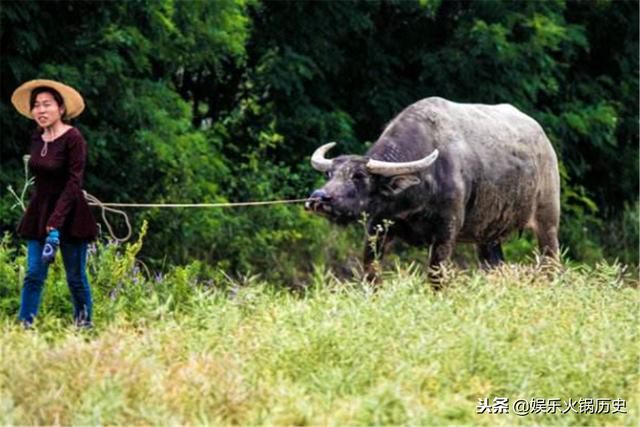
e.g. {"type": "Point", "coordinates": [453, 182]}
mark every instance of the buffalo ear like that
{"type": "Point", "coordinates": [399, 183]}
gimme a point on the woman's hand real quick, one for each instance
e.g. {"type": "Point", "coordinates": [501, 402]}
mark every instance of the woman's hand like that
{"type": "Point", "coordinates": [49, 229]}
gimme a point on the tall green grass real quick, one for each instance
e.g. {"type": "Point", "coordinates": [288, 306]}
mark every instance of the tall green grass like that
{"type": "Point", "coordinates": [193, 346]}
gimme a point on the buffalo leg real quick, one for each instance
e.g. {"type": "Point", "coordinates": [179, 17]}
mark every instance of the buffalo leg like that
{"type": "Point", "coordinates": [444, 242]}
{"type": "Point", "coordinates": [490, 254]}
{"type": "Point", "coordinates": [547, 220]}
{"type": "Point", "coordinates": [548, 241]}
{"type": "Point", "coordinates": [440, 253]}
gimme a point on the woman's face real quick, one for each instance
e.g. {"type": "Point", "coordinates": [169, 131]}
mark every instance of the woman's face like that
{"type": "Point", "coordinates": [46, 111]}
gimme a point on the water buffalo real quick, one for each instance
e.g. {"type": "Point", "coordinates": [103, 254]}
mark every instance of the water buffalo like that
{"type": "Point", "coordinates": [445, 172]}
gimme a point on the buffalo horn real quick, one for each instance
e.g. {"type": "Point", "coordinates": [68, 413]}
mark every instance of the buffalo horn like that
{"type": "Point", "coordinates": [379, 167]}
{"type": "Point", "coordinates": [318, 161]}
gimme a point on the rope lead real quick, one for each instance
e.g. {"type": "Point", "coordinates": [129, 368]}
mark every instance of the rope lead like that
{"type": "Point", "coordinates": [93, 201]}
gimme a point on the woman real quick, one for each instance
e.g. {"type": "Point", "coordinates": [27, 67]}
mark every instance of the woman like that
{"type": "Point", "coordinates": [57, 207]}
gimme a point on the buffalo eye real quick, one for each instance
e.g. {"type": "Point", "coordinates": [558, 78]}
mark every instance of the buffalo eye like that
{"type": "Point", "coordinates": [358, 176]}
{"type": "Point", "coordinates": [328, 174]}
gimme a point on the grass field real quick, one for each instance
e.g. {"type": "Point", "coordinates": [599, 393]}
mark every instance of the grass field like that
{"type": "Point", "coordinates": [186, 349]}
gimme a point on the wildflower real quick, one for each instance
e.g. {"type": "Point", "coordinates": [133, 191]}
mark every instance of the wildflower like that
{"type": "Point", "coordinates": [135, 274]}
{"type": "Point", "coordinates": [113, 294]}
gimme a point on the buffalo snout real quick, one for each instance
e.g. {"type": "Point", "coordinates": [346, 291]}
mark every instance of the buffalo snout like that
{"type": "Point", "coordinates": [318, 201]}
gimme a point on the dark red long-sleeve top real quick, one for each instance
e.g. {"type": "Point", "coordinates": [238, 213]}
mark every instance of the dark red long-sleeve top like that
{"type": "Point", "coordinates": [58, 200]}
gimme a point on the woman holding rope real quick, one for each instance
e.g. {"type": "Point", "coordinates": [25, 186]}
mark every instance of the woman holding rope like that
{"type": "Point", "coordinates": [58, 214]}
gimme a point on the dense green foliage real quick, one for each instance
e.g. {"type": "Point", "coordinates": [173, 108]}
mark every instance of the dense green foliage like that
{"type": "Point", "coordinates": [195, 348]}
{"type": "Point", "coordinates": [225, 100]}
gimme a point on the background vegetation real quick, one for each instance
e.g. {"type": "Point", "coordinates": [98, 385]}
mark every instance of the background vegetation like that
{"type": "Point", "coordinates": [204, 101]}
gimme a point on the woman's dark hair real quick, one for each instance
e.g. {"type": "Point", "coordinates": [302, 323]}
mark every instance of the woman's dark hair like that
{"type": "Point", "coordinates": [56, 95]}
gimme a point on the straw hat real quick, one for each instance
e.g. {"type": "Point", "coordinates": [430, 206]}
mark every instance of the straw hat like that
{"type": "Point", "coordinates": [73, 102]}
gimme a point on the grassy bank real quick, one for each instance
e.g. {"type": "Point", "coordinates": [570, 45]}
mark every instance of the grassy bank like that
{"type": "Point", "coordinates": [189, 349]}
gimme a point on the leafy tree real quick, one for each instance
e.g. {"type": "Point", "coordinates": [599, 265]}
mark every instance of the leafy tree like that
{"type": "Point", "coordinates": [225, 100]}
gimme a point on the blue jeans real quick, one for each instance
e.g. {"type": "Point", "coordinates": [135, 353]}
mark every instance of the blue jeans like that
{"type": "Point", "coordinates": [74, 256]}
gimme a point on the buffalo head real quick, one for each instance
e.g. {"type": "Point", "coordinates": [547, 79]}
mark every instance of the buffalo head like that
{"type": "Point", "coordinates": [354, 183]}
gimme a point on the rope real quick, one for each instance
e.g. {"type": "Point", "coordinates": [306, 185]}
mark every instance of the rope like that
{"type": "Point", "coordinates": [93, 201]}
